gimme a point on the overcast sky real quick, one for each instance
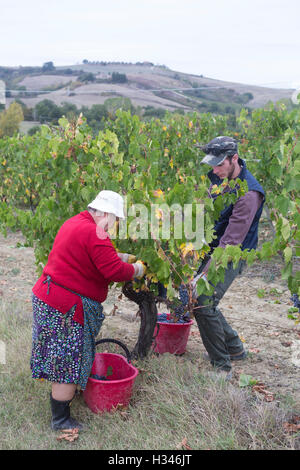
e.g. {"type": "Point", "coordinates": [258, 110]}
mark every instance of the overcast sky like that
{"type": "Point", "coordinates": [248, 41]}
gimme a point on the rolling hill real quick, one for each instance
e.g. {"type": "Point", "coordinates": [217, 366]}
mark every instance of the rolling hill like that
{"type": "Point", "coordinates": [145, 84]}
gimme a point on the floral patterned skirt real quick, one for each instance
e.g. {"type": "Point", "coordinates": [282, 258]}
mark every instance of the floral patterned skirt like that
{"type": "Point", "coordinates": [57, 344]}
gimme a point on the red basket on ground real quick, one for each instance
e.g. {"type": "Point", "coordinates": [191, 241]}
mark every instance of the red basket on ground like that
{"type": "Point", "coordinates": [171, 337]}
{"type": "Point", "coordinates": [103, 395]}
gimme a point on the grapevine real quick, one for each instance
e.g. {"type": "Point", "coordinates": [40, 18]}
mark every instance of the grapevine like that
{"type": "Point", "coordinates": [53, 175]}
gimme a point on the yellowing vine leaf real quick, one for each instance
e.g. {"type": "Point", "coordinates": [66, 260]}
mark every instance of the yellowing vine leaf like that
{"type": "Point", "coordinates": [186, 248]}
{"type": "Point", "coordinates": [158, 193]}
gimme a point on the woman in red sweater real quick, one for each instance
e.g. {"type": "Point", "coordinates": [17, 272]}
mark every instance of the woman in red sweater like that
{"type": "Point", "coordinates": [67, 310]}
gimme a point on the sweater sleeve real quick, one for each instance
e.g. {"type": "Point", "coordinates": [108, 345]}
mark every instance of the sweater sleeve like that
{"type": "Point", "coordinates": [110, 265]}
{"type": "Point", "coordinates": [241, 219]}
{"type": "Point", "coordinates": [107, 261]}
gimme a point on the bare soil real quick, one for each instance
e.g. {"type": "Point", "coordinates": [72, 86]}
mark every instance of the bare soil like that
{"type": "Point", "coordinates": [40, 82]}
{"type": "Point", "coordinates": [272, 339]}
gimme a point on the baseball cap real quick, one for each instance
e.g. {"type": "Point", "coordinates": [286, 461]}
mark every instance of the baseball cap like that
{"type": "Point", "coordinates": [218, 149]}
{"type": "Point", "coordinates": [110, 202]}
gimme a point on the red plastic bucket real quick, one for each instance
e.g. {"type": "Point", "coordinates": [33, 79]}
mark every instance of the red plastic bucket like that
{"type": "Point", "coordinates": [171, 337]}
{"type": "Point", "coordinates": [103, 395]}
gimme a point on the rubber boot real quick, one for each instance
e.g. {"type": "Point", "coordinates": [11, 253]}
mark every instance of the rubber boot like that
{"type": "Point", "coordinates": [61, 418]}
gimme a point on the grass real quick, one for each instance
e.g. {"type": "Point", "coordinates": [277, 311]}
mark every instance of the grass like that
{"type": "Point", "coordinates": [173, 400]}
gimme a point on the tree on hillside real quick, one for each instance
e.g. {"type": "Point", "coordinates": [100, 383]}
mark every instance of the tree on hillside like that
{"type": "Point", "coordinates": [48, 67]}
{"type": "Point", "coordinates": [86, 77]}
{"type": "Point", "coordinates": [69, 110]}
{"type": "Point", "coordinates": [27, 112]}
{"type": "Point", "coordinates": [96, 112]}
{"type": "Point", "coordinates": [95, 116]}
{"type": "Point", "coordinates": [118, 77]}
{"type": "Point", "coordinates": [10, 119]}
{"type": "Point", "coordinates": [47, 111]}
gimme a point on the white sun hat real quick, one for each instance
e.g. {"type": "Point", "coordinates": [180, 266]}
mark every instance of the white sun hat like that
{"type": "Point", "coordinates": [110, 202]}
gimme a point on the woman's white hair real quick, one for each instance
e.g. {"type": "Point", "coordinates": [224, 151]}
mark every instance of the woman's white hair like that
{"type": "Point", "coordinates": [96, 212]}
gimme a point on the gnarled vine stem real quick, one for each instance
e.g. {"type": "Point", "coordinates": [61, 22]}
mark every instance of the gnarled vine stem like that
{"type": "Point", "coordinates": [148, 311]}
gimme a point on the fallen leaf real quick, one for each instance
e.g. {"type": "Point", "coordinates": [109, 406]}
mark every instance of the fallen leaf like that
{"type": "Point", "coordinates": [71, 430]}
{"type": "Point", "coordinates": [287, 344]}
{"type": "Point", "coordinates": [293, 425]}
{"type": "Point", "coordinates": [119, 407]}
{"type": "Point", "coordinates": [289, 427]}
{"type": "Point", "coordinates": [184, 444]}
{"type": "Point", "coordinates": [143, 371]}
{"type": "Point", "coordinates": [260, 388]}
{"type": "Point", "coordinates": [69, 435]}
{"type": "Point", "coordinates": [246, 380]}
{"type": "Point", "coordinates": [254, 350]}
{"type": "Point", "coordinates": [269, 397]}
{"type": "Point", "coordinates": [62, 436]}
{"type": "Point", "coordinates": [124, 415]}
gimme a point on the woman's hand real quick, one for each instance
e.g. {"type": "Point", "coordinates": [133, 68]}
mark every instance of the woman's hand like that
{"type": "Point", "coordinates": [127, 257]}
{"type": "Point", "coordinates": [139, 269]}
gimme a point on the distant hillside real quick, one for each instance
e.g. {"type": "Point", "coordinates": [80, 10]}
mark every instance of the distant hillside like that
{"type": "Point", "coordinates": [145, 84]}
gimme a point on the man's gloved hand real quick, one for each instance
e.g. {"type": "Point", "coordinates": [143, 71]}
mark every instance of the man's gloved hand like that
{"type": "Point", "coordinates": [127, 257]}
{"type": "Point", "coordinates": [194, 284]}
{"type": "Point", "coordinates": [139, 269]}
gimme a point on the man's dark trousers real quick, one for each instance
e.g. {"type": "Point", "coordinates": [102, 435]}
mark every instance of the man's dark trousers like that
{"type": "Point", "coordinates": [219, 339]}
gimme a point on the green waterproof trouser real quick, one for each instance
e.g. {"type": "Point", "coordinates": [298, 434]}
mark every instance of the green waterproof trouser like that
{"type": "Point", "coordinates": [219, 339]}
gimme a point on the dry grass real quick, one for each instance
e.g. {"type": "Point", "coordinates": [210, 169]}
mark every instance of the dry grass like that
{"type": "Point", "coordinates": [173, 400]}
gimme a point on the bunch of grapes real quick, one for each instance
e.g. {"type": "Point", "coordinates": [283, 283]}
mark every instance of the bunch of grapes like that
{"type": "Point", "coordinates": [163, 318]}
{"type": "Point", "coordinates": [296, 301]}
{"type": "Point", "coordinates": [183, 295]}
{"type": "Point", "coordinates": [179, 313]}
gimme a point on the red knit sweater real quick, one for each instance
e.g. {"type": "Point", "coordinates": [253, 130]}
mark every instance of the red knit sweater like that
{"type": "Point", "coordinates": [83, 262]}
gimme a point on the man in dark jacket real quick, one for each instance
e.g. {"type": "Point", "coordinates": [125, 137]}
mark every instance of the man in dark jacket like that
{"type": "Point", "coordinates": [237, 225]}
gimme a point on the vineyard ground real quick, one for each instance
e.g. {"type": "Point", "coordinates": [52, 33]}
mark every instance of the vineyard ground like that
{"type": "Point", "coordinates": [272, 339]}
